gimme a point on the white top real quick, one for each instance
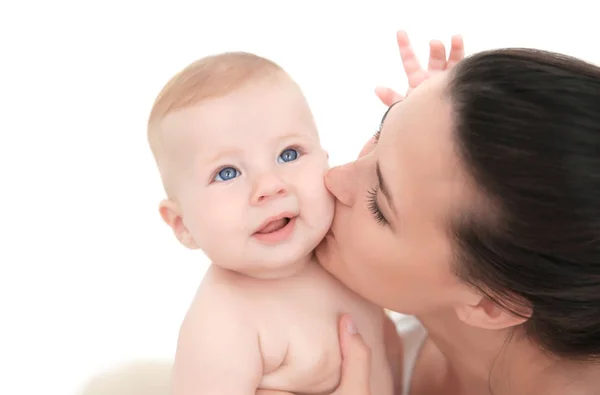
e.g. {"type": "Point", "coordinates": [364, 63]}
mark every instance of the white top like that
{"type": "Point", "coordinates": [413, 335]}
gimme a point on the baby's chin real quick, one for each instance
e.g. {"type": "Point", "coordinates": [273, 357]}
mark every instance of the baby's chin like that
{"type": "Point", "coordinates": [269, 267]}
{"type": "Point", "coordinates": [281, 261]}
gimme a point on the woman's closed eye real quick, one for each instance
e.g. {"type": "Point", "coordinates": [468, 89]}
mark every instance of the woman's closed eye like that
{"type": "Point", "coordinates": [374, 206]}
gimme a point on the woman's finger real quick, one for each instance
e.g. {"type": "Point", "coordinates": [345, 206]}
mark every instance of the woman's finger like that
{"type": "Point", "coordinates": [356, 361]}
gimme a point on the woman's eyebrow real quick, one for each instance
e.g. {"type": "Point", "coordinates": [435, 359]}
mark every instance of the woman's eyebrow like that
{"type": "Point", "coordinates": [386, 113]}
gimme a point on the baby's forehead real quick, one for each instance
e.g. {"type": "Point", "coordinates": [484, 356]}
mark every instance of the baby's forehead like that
{"type": "Point", "coordinates": [203, 129]}
{"type": "Point", "coordinates": [269, 109]}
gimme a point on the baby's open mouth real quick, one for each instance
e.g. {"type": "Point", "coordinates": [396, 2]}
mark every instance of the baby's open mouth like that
{"type": "Point", "coordinates": [274, 226]}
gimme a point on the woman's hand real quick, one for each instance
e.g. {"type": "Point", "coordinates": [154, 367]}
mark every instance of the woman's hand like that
{"type": "Point", "coordinates": [415, 73]}
{"type": "Point", "coordinates": [356, 361]}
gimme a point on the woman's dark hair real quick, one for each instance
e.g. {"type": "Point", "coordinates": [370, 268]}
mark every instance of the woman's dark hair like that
{"type": "Point", "coordinates": [527, 129]}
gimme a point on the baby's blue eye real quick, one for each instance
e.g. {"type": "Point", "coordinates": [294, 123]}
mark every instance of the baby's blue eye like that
{"type": "Point", "coordinates": [288, 155]}
{"type": "Point", "coordinates": [226, 174]}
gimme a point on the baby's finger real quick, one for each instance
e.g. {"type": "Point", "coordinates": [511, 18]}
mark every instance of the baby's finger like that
{"type": "Point", "coordinates": [410, 62]}
{"type": "Point", "coordinates": [437, 56]}
{"type": "Point", "coordinates": [457, 51]}
{"type": "Point", "coordinates": [388, 96]}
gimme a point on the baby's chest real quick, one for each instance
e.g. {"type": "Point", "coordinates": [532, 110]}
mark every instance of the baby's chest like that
{"type": "Point", "coordinates": [299, 338]}
{"type": "Point", "coordinates": [312, 359]}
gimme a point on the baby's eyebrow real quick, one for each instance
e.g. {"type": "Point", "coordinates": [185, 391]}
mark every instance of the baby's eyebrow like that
{"type": "Point", "coordinates": [222, 154]}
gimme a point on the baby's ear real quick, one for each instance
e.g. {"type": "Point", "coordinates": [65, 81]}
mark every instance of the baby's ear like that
{"type": "Point", "coordinates": [171, 214]}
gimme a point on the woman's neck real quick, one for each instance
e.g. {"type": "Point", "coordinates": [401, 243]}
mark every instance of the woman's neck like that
{"type": "Point", "coordinates": [499, 362]}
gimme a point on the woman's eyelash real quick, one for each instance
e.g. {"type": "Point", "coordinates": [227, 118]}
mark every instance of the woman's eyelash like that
{"type": "Point", "coordinates": [374, 207]}
{"type": "Point", "coordinates": [376, 135]}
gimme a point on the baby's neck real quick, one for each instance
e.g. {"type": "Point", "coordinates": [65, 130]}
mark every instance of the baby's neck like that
{"type": "Point", "coordinates": [289, 270]}
{"type": "Point", "coordinates": [297, 267]}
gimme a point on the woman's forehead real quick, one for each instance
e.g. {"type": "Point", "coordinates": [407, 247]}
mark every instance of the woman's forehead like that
{"type": "Point", "coordinates": [419, 127]}
{"type": "Point", "coordinates": [416, 151]}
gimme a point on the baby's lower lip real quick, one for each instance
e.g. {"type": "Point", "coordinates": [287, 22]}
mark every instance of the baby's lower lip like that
{"type": "Point", "coordinates": [274, 226]}
{"type": "Point", "coordinates": [277, 236]}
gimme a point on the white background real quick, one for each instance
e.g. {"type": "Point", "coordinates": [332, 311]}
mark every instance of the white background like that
{"type": "Point", "coordinates": [89, 275]}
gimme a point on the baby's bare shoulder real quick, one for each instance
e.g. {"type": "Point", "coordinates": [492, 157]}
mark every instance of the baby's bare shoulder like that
{"type": "Point", "coordinates": [219, 293]}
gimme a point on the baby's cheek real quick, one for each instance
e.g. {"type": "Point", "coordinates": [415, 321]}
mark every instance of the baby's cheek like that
{"type": "Point", "coordinates": [222, 231]}
{"type": "Point", "coordinates": [226, 216]}
{"type": "Point", "coordinates": [215, 216]}
{"type": "Point", "coordinates": [319, 201]}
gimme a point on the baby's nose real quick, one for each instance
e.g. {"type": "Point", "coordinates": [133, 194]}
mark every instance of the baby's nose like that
{"type": "Point", "coordinates": [267, 188]}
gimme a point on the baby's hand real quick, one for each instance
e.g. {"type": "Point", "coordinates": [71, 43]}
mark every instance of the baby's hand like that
{"type": "Point", "coordinates": [415, 73]}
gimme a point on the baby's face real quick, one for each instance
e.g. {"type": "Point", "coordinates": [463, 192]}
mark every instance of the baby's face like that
{"type": "Point", "coordinates": [249, 185]}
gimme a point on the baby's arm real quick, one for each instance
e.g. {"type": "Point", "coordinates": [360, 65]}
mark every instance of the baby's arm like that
{"type": "Point", "coordinates": [218, 350]}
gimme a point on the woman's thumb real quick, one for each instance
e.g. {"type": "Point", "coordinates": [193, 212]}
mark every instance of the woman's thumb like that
{"type": "Point", "coordinates": [356, 360]}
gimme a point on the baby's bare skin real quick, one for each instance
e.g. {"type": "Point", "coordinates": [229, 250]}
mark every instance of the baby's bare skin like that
{"type": "Point", "coordinates": [244, 168]}
{"type": "Point", "coordinates": [293, 322]}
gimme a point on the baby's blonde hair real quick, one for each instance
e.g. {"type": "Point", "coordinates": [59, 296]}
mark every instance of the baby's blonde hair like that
{"type": "Point", "coordinates": [207, 78]}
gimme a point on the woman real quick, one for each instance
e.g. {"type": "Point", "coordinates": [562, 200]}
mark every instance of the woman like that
{"type": "Point", "coordinates": [476, 209]}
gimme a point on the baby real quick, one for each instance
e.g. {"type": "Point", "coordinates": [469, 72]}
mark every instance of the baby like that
{"type": "Point", "coordinates": [242, 166]}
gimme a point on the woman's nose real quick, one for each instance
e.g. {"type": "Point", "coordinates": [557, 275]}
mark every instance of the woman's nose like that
{"type": "Point", "coordinates": [341, 182]}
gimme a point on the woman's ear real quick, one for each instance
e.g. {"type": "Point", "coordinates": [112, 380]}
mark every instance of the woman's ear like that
{"type": "Point", "coordinates": [481, 312]}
